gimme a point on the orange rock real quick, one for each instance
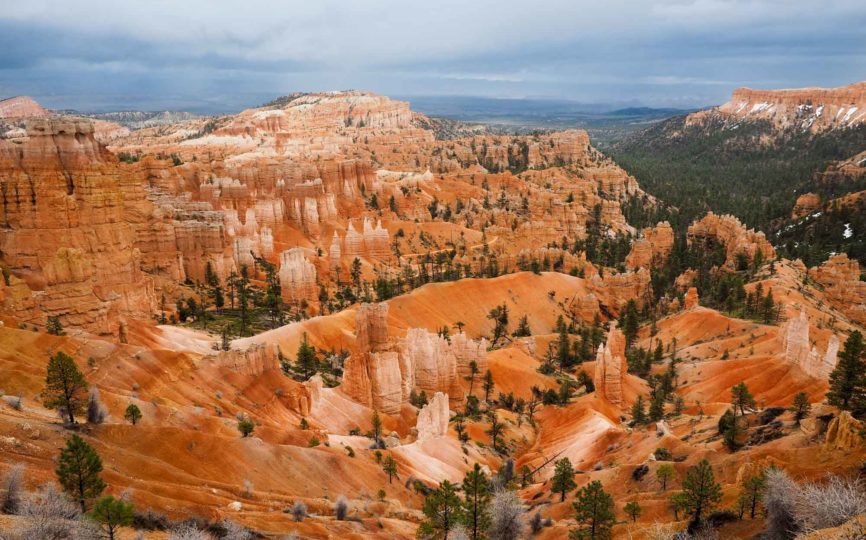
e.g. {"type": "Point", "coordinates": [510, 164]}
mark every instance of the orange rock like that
{"type": "Point", "coordinates": [840, 277]}
{"type": "Point", "coordinates": [691, 299]}
{"type": "Point", "coordinates": [733, 235]}
{"type": "Point", "coordinates": [653, 248]}
{"type": "Point", "coordinates": [611, 366]}
{"type": "Point", "coordinates": [805, 205]}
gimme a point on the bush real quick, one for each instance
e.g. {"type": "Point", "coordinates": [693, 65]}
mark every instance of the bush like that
{"type": "Point", "coordinates": [662, 454]}
{"type": "Point", "coordinates": [299, 511]}
{"type": "Point", "coordinates": [246, 427]}
{"type": "Point", "coordinates": [150, 521]}
{"type": "Point", "coordinates": [506, 512]}
{"type": "Point", "coordinates": [779, 502]}
{"type": "Point", "coordinates": [233, 531]}
{"type": "Point", "coordinates": [341, 508]}
{"type": "Point", "coordinates": [12, 490]}
{"type": "Point", "coordinates": [188, 531]}
{"type": "Point", "coordinates": [718, 518]}
{"type": "Point", "coordinates": [50, 514]}
{"type": "Point", "coordinates": [821, 506]}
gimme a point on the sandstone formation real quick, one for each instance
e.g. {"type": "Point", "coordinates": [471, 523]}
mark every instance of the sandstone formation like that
{"type": "Point", "coordinates": [433, 418]}
{"type": "Point", "coordinates": [21, 107]}
{"type": "Point", "coordinates": [611, 367]}
{"type": "Point", "coordinates": [653, 248]}
{"type": "Point", "coordinates": [253, 361]}
{"type": "Point", "coordinates": [727, 231]}
{"type": "Point", "coordinates": [383, 372]}
{"type": "Point", "coordinates": [799, 351]}
{"type": "Point", "coordinates": [806, 204]}
{"type": "Point", "coordinates": [297, 277]}
{"type": "Point", "coordinates": [691, 299]}
{"type": "Point", "coordinates": [813, 109]}
{"type": "Point", "coordinates": [843, 288]}
{"type": "Point", "coordinates": [844, 433]}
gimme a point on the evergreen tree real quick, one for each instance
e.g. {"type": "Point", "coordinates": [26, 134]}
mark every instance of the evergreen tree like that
{"type": "Point", "coordinates": [488, 385]}
{"type": "Point", "coordinates": [633, 509]}
{"type": "Point", "coordinates": [848, 379]}
{"type": "Point", "coordinates": [132, 414]}
{"type": "Point", "coordinates": [638, 412]}
{"type": "Point", "coordinates": [700, 490]}
{"type": "Point", "coordinates": [389, 465]}
{"type": "Point", "coordinates": [499, 316]}
{"type": "Point", "coordinates": [563, 478]}
{"type": "Point", "coordinates": [657, 406]}
{"type": "Point", "coordinates": [801, 407]}
{"type": "Point", "coordinates": [752, 492]}
{"type": "Point", "coordinates": [66, 388]}
{"type": "Point", "coordinates": [476, 502]}
{"type": "Point", "coordinates": [246, 427]}
{"type": "Point", "coordinates": [78, 471]}
{"type": "Point", "coordinates": [307, 363]}
{"type": "Point", "coordinates": [443, 511]}
{"type": "Point", "coordinates": [376, 423]}
{"type": "Point", "coordinates": [741, 398]}
{"type": "Point", "coordinates": [473, 372]}
{"type": "Point", "coordinates": [54, 326]}
{"type": "Point", "coordinates": [664, 473]}
{"type": "Point", "coordinates": [111, 514]}
{"type": "Point", "coordinates": [594, 511]}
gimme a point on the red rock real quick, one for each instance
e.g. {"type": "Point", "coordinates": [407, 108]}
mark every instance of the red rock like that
{"type": "Point", "coordinates": [729, 232]}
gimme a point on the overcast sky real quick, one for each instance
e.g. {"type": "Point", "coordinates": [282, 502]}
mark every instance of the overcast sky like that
{"type": "Point", "coordinates": [220, 56]}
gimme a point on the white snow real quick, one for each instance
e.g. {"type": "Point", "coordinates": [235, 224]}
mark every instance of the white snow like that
{"type": "Point", "coordinates": [758, 107]}
{"type": "Point", "coordinates": [819, 110]}
{"type": "Point", "coordinates": [851, 111]}
{"type": "Point", "coordinates": [848, 233]}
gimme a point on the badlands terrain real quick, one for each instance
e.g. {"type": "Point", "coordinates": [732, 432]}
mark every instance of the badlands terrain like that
{"type": "Point", "coordinates": [319, 316]}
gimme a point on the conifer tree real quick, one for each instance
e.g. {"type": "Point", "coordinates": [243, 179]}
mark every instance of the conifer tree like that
{"type": "Point", "coordinates": [132, 414]}
{"type": "Point", "coordinates": [594, 511]}
{"type": "Point", "coordinates": [78, 471]}
{"type": "Point", "coordinates": [66, 388]}
{"type": "Point", "coordinates": [848, 379]}
{"type": "Point", "coordinates": [563, 478]}
{"type": "Point", "coordinates": [112, 514]}
{"type": "Point", "coordinates": [476, 502]}
{"type": "Point", "coordinates": [700, 490]}
{"type": "Point", "coordinates": [443, 512]}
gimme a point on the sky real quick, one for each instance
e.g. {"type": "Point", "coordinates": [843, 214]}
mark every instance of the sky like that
{"type": "Point", "coordinates": [222, 56]}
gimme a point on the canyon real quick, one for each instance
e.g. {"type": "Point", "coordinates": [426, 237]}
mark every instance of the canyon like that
{"type": "Point", "coordinates": [359, 290]}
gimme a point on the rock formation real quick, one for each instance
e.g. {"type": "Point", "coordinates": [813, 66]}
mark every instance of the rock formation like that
{"type": "Point", "coordinates": [805, 205]}
{"type": "Point", "coordinates": [652, 248]}
{"type": "Point", "coordinates": [297, 277]}
{"type": "Point", "coordinates": [733, 235]}
{"type": "Point", "coordinates": [253, 361]}
{"type": "Point", "coordinates": [433, 418]}
{"type": "Point", "coordinates": [611, 367]}
{"type": "Point", "coordinates": [21, 107]}
{"type": "Point", "coordinates": [798, 350]}
{"type": "Point", "coordinates": [382, 373]}
{"type": "Point", "coordinates": [840, 277]}
{"type": "Point", "coordinates": [814, 109]}
{"type": "Point", "coordinates": [691, 299]}
{"type": "Point", "coordinates": [844, 433]}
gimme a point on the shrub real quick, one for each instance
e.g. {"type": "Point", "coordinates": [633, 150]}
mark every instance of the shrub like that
{"type": "Point", "coordinates": [341, 508]}
{"type": "Point", "coordinates": [662, 454]}
{"type": "Point", "coordinates": [821, 506]}
{"type": "Point", "coordinates": [506, 516]}
{"type": "Point", "coordinates": [233, 531]}
{"type": "Point", "coordinates": [12, 490]}
{"type": "Point", "coordinates": [188, 531]}
{"type": "Point", "coordinates": [50, 514]}
{"type": "Point", "coordinates": [779, 503]}
{"type": "Point", "coordinates": [246, 427]}
{"type": "Point", "coordinates": [299, 511]}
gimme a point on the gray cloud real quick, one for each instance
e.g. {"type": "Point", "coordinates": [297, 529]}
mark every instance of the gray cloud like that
{"type": "Point", "coordinates": [216, 55]}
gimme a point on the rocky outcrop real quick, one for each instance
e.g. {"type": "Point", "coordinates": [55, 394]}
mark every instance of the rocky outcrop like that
{"type": "Point", "coordinates": [799, 351]}
{"type": "Point", "coordinates": [840, 278]}
{"type": "Point", "coordinates": [613, 291]}
{"type": "Point", "coordinates": [611, 367]}
{"type": "Point", "coordinates": [690, 301]}
{"type": "Point", "coordinates": [21, 107]}
{"type": "Point", "coordinates": [297, 277]}
{"type": "Point", "coordinates": [813, 109]}
{"type": "Point", "coordinates": [433, 418]}
{"type": "Point", "coordinates": [653, 248]}
{"type": "Point", "coordinates": [67, 226]}
{"type": "Point", "coordinates": [382, 372]}
{"type": "Point", "coordinates": [252, 362]}
{"type": "Point", "coordinates": [372, 241]}
{"type": "Point", "coordinates": [844, 433]}
{"type": "Point", "coordinates": [805, 205]}
{"type": "Point", "coordinates": [729, 232]}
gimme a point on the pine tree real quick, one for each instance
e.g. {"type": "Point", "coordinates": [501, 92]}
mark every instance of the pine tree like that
{"type": "Point", "coordinates": [594, 511]}
{"type": "Point", "coordinates": [78, 471]}
{"type": "Point", "coordinates": [307, 362]}
{"type": "Point", "coordinates": [246, 427]}
{"type": "Point", "coordinates": [752, 492]}
{"type": "Point", "coordinates": [801, 407]}
{"type": "Point", "coordinates": [633, 509]}
{"type": "Point", "coordinates": [389, 465]}
{"type": "Point", "coordinates": [54, 326]}
{"type": "Point", "coordinates": [741, 398]}
{"type": "Point", "coordinates": [657, 406]}
{"type": "Point", "coordinates": [476, 502]}
{"type": "Point", "coordinates": [66, 388]}
{"type": "Point", "coordinates": [664, 473]}
{"type": "Point", "coordinates": [443, 511]}
{"type": "Point", "coordinates": [563, 478]}
{"type": "Point", "coordinates": [132, 414]}
{"type": "Point", "coordinates": [376, 423]}
{"type": "Point", "coordinates": [111, 514]}
{"type": "Point", "coordinates": [701, 491]}
{"type": "Point", "coordinates": [638, 414]}
{"type": "Point", "coordinates": [488, 385]}
{"type": "Point", "coordinates": [848, 379]}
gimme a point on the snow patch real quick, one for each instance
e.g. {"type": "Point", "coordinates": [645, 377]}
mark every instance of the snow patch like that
{"type": "Point", "coordinates": [847, 233]}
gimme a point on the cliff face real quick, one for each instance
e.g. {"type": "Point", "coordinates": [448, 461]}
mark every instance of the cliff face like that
{"type": "Point", "coordinates": [66, 230]}
{"type": "Point", "coordinates": [733, 235]}
{"type": "Point", "coordinates": [21, 107]}
{"type": "Point", "coordinates": [652, 248]}
{"type": "Point", "coordinates": [840, 277]}
{"type": "Point", "coordinates": [814, 109]}
{"type": "Point", "coordinates": [799, 351]}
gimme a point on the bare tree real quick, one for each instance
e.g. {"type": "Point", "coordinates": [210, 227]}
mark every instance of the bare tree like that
{"type": "Point", "coordinates": [12, 490]}
{"type": "Point", "coordinates": [233, 531]}
{"type": "Point", "coordinates": [821, 506]}
{"type": "Point", "coordinates": [506, 516]}
{"type": "Point", "coordinates": [50, 514]}
{"type": "Point", "coordinates": [780, 500]}
{"type": "Point", "coordinates": [96, 412]}
{"type": "Point", "coordinates": [188, 532]}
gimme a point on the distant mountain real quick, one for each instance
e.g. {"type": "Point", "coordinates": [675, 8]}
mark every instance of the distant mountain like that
{"type": "Point", "coordinates": [137, 119]}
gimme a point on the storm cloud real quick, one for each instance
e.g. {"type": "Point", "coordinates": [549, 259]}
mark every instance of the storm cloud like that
{"type": "Point", "coordinates": [218, 56]}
